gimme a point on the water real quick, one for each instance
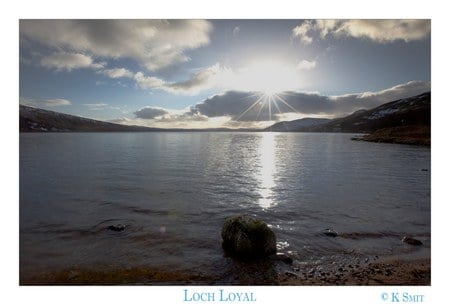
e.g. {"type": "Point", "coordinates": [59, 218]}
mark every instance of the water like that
{"type": "Point", "coordinates": [174, 190]}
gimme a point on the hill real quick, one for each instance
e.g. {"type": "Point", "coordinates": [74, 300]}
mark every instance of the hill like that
{"type": "Point", "coordinates": [296, 124]}
{"type": "Point", "coordinates": [404, 121]}
{"type": "Point", "coordinates": [40, 120]}
{"type": "Point", "coordinates": [412, 111]}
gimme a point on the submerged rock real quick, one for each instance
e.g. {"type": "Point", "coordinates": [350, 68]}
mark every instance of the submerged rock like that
{"type": "Point", "coordinates": [412, 241]}
{"type": "Point", "coordinates": [330, 232]}
{"type": "Point", "coordinates": [246, 236]}
{"type": "Point", "coordinates": [117, 227]}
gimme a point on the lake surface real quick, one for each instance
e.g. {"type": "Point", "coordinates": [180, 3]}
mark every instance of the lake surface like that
{"type": "Point", "coordinates": [174, 190]}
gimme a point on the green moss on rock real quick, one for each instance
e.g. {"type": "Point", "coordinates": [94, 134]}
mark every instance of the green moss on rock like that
{"type": "Point", "coordinates": [246, 236]}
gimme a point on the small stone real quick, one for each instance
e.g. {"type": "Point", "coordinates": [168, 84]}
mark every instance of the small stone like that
{"type": "Point", "coordinates": [289, 273]}
{"type": "Point", "coordinates": [411, 241]}
{"type": "Point", "coordinates": [330, 232]}
{"type": "Point", "coordinates": [282, 257]}
{"type": "Point", "coordinates": [72, 275]}
{"type": "Point", "coordinates": [117, 227]}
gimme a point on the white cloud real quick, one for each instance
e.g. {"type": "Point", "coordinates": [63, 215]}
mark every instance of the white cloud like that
{"type": "Point", "coordinates": [301, 32]}
{"type": "Point", "coordinates": [377, 30]}
{"type": "Point", "coordinates": [203, 79]}
{"type": "Point", "coordinates": [69, 61]}
{"type": "Point", "coordinates": [44, 102]}
{"type": "Point", "coordinates": [156, 44]}
{"type": "Point", "coordinates": [148, 82]}
{"type": "Point", "coordinates": [385, 30]}
{"type": "Point", "coordinates": [123, 120]}
{"type": "Point", "coordinates": [117, 73]}
{"type": "Point", "coordinates": [306, 65]}
{"type": "Point", "coordinates": [96, 106]}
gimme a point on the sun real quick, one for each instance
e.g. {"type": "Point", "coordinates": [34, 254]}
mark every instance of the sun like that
{"type": "Point", "coordinates": [269, 77]}
{"type": "Point", "coordinates": [268, 80]}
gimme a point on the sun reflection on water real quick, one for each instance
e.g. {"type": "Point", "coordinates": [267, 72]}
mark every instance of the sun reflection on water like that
{"type": "Point", "coordinates": [267, 170]}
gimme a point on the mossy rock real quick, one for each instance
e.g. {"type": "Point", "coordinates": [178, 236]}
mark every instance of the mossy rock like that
{"type": "Point", "coordinates": [246, 236]}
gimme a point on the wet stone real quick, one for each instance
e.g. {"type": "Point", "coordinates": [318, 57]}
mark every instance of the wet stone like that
{"type": "Point", "coordinates": [116, 227]}
{"type": "Point", "coordinates": [330, 232]}
{"type": "Point", "coordinates": [411, 241]}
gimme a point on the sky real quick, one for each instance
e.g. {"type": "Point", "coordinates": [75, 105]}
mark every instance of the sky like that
{"type": "Point", "coordinates": [188, 73]}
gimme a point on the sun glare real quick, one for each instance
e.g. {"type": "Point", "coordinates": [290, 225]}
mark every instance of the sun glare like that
{"type": "Point", "coordinates": [268, 169]}
{"type": "Point", "coordinates": [269, 77]}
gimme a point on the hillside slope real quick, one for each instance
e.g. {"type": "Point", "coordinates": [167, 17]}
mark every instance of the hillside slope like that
{"type": "Point", "coordinates": [40, 120]}
{"type": "Point", "coordinates": [412, 111]}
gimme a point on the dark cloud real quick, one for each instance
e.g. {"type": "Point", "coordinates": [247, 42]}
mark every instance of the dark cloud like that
{"type": "Point", "coordinates": [252, 106]}
{"type": "Point", "coordinates": [150, 113]}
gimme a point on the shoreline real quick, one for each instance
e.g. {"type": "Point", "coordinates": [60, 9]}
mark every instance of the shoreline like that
{"type": "Point", "coordinates": [393, 271]}
{"type": "Point", "coordinates": [411, 135]}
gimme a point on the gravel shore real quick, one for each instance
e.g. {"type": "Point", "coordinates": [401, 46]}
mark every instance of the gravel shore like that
{"type": "Point", "coordinates": [388, 272]}
{"type": "Point", "coordinates": [382, 272]}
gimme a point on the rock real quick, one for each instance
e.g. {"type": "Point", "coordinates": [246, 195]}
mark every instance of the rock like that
{"type": "Point", "coordinates": [246, 236]}
{"type": "Point", "coordinates": [117, 227]}
{"type": "Point", "coordinates": [412, 241]}
{"type": "Point", "coordinates": [282, 257]}
{"type": "Point", "coordinates": [330, 232]}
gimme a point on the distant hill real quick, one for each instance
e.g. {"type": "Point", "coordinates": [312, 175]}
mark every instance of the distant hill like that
{"type": "Point", "coordinates": [412, 111]}
{"type": "Point", "coordinates": [296, 124]}
{"type": "Point", "coordinates": [40, 120]}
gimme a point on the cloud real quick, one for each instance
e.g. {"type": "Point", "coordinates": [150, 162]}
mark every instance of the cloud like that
{"type": "Point", "coordinates": [301, 32]}
{"type": "Point", "coordinates": [44, 102]}
{"type": "Point", "coordinates": [150, 112]}
{"type": "Point", "coordinates": [155, 44]}
{"type": "Point", "coordinates": [69, 61]}
{"type": "Point", "coordinates": [306, 65]}
{"type": "Point", "coordinates": [226, 104]}
{"type": "Point", "coordinates": [122, 120]}
{"type": "Point", "coordinates": [117, 73]}
{"type": "Point", "coordinates": [187, 117]}
{"type": "Point", "coordinates": [382, 31]}
{"type": "Point", "coordinates": [97, 106]}
{"type": "Point", "coordinates": [148, 82]}
{"type": "Point", "coordinates": [203, 79]}
{"type": "Point", "coordinates": [251, 106]}
{"type": "Point", "coordinates": [236, 31]}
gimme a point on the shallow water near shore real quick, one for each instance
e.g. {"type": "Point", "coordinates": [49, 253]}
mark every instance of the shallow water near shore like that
{"type": "Point", "coordinates": [172, 192]}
